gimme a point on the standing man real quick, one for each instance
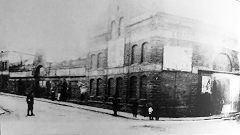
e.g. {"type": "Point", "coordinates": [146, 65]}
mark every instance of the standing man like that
{"type": "Point", "coordinates": [30, 102]}
{"type": "Point", "coordinates": [135, 108]}
{"type": "Point", "coordinates": [64, 90]}
{"type": "Point", "coordinates": [115, 106]}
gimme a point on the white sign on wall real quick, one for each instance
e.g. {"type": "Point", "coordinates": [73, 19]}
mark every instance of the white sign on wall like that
{"type": "Point", "coordinates": [21, 74]}
{"type": "Point", "coordinates": [77, 71]}
{"type": "Point", "coordinates": [62, 72]}
{"type": "Point", "coordinates": [206, 84]}
{"type": "Point", "coordinates": [177, 58]}
{"type": "Point", "coordinates": [116, 53]}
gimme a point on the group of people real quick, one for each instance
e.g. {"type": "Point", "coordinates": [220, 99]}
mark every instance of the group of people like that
{"type": "Point", "coordinates": [63, 92]}
{"type": "Point", "coordinates": [147, 109]}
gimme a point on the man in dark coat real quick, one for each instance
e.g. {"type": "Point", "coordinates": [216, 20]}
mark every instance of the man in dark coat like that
{"type": "Point", "coordinates": [64, 91]}
{"type": "Point", "coordinates": [115, 106]}
{"type": "Point", "coordinates": [135, 108]}
{"type": "Point", "coordinates": [30, 102]}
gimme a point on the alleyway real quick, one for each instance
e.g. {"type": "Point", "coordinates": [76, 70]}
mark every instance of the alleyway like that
{"type": "Point", "coordinates": [52, 119]}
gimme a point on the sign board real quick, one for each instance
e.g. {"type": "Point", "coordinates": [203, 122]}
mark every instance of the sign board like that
{"type": "Point", "coordinates": [116, 53]}
{"type": "Point", "coordinates": [21, 74]}
{"type": "Point", "coordinates": [62, 72]}
{"type": "Point", "coordinates": [206, 84]}
{"type": "Point", "coordinates": [177, 58]}
{"type": "Point", "coordinates": [77, 71]}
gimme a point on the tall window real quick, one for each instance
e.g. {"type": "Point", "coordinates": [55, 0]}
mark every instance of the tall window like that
{"type": "Point", "coordinates": [143, 87]}
{"type": "Point", "coordinates": [99, 86]}
{"type": "Point", "coordinates": [144, 52]}
{"type": "Point", "coordinates": [119, 85]}
{"type": "Point", "coordinates": [134, 54]}
{"type": "Point", "coordinates": [110, 87]}
{"type": "Point", "coordinates": [91, 86]}
{"type": "Point", "coordinates": [100, 60]}
{"type": "Point", "coordinates": [133, 87]}
{"type": "Point", "coordinates": [93, 57]}
{"type": "Point", "coordinates": [120, 27]}
{"type": "Point", "coordinates": [113, 30]}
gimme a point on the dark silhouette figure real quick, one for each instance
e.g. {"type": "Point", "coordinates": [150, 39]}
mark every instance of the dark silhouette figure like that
{"type": "Point", "coordinates": [64, 91]}
{"type": "Point", "coordinates": [52, 95]}
{"type": "Point", "coordinates": [69, 91]}
{"type": "Point", "coordinates": [135, 108]}
{"type": "Point", "coordinates": [30, 102]}
{"type": "Point", "coordinates": [156, 112]}
{"type": "Point", "coordinates": [145, 110]}
{"type": "Point", "coordinates": [115, 106]}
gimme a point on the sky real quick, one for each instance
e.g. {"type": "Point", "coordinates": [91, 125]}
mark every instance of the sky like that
{"type": "Point", "coordinates": [61, 28]}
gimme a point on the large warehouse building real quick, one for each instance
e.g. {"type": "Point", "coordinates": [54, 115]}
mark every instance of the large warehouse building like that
{"type": "Point", "coordinates": [182, 66]}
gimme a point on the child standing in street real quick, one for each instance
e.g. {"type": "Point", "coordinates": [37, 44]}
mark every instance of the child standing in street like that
{"type": "Point", "coordinates": [150, 113]}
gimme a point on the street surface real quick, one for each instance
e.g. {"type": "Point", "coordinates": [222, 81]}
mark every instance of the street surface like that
{"type": "Point", "coordinates": [52, 119]}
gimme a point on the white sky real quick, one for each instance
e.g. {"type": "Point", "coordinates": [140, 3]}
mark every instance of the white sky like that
{"type": "Point", "coordinates": [60, 27]}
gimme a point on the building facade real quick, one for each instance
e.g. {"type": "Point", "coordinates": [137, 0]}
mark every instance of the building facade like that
{"type": "Point", "coordinates": [175, 63]}
{"type": "Point", "coordinates": [183, 67]}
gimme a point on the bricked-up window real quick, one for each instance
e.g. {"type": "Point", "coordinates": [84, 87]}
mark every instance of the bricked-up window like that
{"type": "Point", "coordinates": [110, 87]}
{"type": "Point", "coordinates": [99, 83]}
{"type": "Point", "coordinates": [100, 60]}
{"type": "Point", "coordinates": [143, 87]}
{"type": "Point", "coordinates": [119, 86]}
{"type": "Point", "coordinates": [92, 64]}
{"type": "Point", "coordinates": [91, 86]}
{"type": "Point", "coordinates": [222, 63]}
{"type": "Point", "coordinates": [133, 87]}
{"type": "Point", "coordinates": [134, 54]}
{"type": "Point", "coordinates": [113, 30]}
{"type": "Point", "coordinates": [144, 52]}
{"type": "Point", "coordinates": [120, 27]}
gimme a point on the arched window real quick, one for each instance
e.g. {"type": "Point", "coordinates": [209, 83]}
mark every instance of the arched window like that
{"type": "Point", "coordinates": [92, 64]}
{"type": "Point", "coordinates": [143, 87]}
{"type": "Point", "coordinates": [222, 63]}
{"type": "Point", "coordinates": [119, 86]}
{"type": "Point", "coordinates": [133, 87]}
{"type": "Point", "coordinates": [113, 30]}
{"type": "Point", "coordinates": [91, 86]}
{"type": "Point", "coordinates": [134, 54]}
{"type": "Point", "coordinates": [100, 60]}
{"type": "Point", "coordinates": [110, 87]}
{"type": "Point", "coordinates": [144, 52]}
{"type": "Point", "coordinates": [99, 86]}
{"type": "Point", "coordinates": [120, 27]}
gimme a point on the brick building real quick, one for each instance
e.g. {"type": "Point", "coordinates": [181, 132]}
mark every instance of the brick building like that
{"type": "Point", "coordinates": [168, 60]}
{"type": "Point", "coordinates": [182, 66]}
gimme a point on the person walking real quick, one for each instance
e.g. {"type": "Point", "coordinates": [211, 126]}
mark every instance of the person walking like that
{"type": "Point", "coordinates": [115, 106]}
{"type": "Point", "coordinates": [135, 108]}
{"type": "Point", "coordinates": [30, 102]}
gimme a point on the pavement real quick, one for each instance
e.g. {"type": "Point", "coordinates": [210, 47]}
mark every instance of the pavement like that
{"type": "Point", "coordinates": [122, 114]}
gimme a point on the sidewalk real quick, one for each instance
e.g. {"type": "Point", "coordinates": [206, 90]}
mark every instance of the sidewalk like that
{"type": "Point", "coordinates": [122, 114]}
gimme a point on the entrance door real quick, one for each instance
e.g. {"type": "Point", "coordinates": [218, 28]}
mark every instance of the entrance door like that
{"type": "Point", "coordinates": [225, 93]}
